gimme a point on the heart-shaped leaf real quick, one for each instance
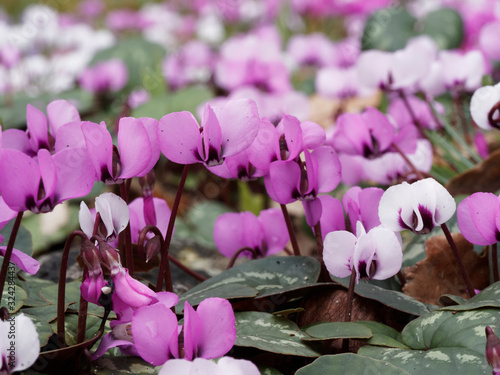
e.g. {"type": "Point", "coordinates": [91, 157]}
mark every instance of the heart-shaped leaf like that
{"type": "Point", "coordinates": [383, 335]}
{"type": "Point", "coordinates": [336, 330]}
{"type": "Point", "coordinates": [445, 26]}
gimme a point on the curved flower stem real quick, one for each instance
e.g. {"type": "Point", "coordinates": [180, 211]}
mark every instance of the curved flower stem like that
{"type": "Point", "coordinates": [236, 254]}
{"type": "Point", "coordinates": [187, 270]}
{"type": "Point", "coordinates": [165, 256]}
{"type": "Point", "coordinates": [8, 251]}
{"type": "Point", "coordinates": [324, 276]}
{"type": "Point", "coordinates": [401, 278]}
{"type": "Point", "coordinates": [414, 118]}
{"type": "Point", "coordinates": [289, 226]}
{"type": "Point", "coordinates": [348, 310]}
{"type": "Point", "coordinates": [61, 292]}
{"type": "Point", "coordinates": [494, 262]}
{"type": "Point", "coordinates": [433, 112]}
{"type": "Point", "coordinates": [419, 174]}
{"type": "Point", "coordinates": [128, 260]}
{"type": "Point", "coordinates": [461, 267]}
{"type": "Point", "coordinates": [82, 315]}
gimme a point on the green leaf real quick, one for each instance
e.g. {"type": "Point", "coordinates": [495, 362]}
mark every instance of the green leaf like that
{"type": "Point", "coordinates": [123, 365]}
{"type": "Point", "coordinates": [445, 26]}
{"type": "Point", "coordinates": [272, 334]}
{"type": "Point", "coordinates": [489, 297]}
{"type": "Point", "coordinates": [268, 371]}
{"type": "Point", "coordinates": [23, 239]}
{"type": "Point", "coordinates": [187, 99]}
{"type": "Point", "coordinates": [32, 285]}
{"type": "Point", "coordinates": [445, 341]}
{"type": "Point", "coordinates": [349, 363]}
{"type": "Point", "coordinates": [13, 296]}
{"type": "Point", "coordinates": [144, 64]}
{"type": "Point", "coordinates": [388, 29]}
{"type": "Point", "coordinates": [261, 277]}
{"type": "Point", "coordinates": [71, 327]}
{"type": "Point", "coordinates": [336, 330]}
{"type": "Point", "coordinates": [383, 335]}
{"type": "Point", "coordinates": [391, 298]}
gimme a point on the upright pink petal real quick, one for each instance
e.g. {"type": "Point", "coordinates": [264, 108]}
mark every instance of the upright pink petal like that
{"type": "Point", "coordinates": [332, 215]}
{"type": "Point", "coordinates": [274, 230]}
{"type": "Point", "coordinates": [239, 121]}
{"type": "Point", "coordinates": [132, 138]}
{"type": "Point", "coordinates": [283, 181]}
{"type": "Point", "coordinates": [380, 127]}
{"type": "Point", "coordinates": [232, 231]}
{"type": "Point", "coordinates": [16, 139]}
{"type": "Point", "coordinates": [100, 148]}
{"type": "Point", "coordinates": [69, 135]}
{"type": "Point", "coordinates": [37, 128]}
{"type": "Point", "coordinates": [179, 137]}
{"type": "Point", "coordinates": [48, 174]}
{"type": "Point", "coordinates": [6, 214]}
{"type": "Point", "coordinates": [75, 174]}
{"type": "Point", "coordinates": [352, 135]}
{"type": "Point", "coordinates": [313, 211]}
{"type": "Point", "coordinates": [329, 169]}
{"type": "Point", "coordinates": [20, 180]}
{"type": "Point", "coordinates": [477, 216]}
{"type": "Point", "coordinates": [313, 135]}
{"type": "Point", "coordinates": [263, 149]}
{"type": "Point", "coordinates": [61, 112]}
{"type": "Point", "coordinates": [151, 126]}
{"type": "Point", "coordinates": [212, 137]}
{"type": "Point", "coordinates": [290, 128]}
{"type": "Point", "coordinates": [218, 328]}
{"type": "Point", "coordinates": [191, 330]}
{"type": "Point", "coordinates": [154, 329]}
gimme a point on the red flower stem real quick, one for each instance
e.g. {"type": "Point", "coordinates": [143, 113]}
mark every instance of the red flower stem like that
{"type": "Point", "coordinates": [165, 256]}
{"type": "Point", "coordinates": [494, 262]}
{"type": "Point", "coordinates": [8, 251]}
{"type": "Point", "coordinates": [414, 118]}
{"type": "Point", "coordinates": [128, 261]}
{"type": "Point", "coordinates": [461, 267]}
{"type": "Point", "coordinates": [61, 292]}
{"type": "Point", "coordinates": [82, 315]}
{"type": "Point", "coordinates": [348, 310]}
{"type": "Point", "coordinates": [408, 161]}
{"type": "Point", "coordinates": [433, 113]}
{"type": "Point", "coordinates": [401, 278]}
{"type": "Point", "coordinates": [289, 226]}
{"type": "Point", "coordinates": [236, 254]}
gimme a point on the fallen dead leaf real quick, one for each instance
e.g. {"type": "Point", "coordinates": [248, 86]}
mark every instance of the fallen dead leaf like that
{"type": "Point", "coordinates": [483, 177]}
{"type": "Point", "coordinates": [438, 273]}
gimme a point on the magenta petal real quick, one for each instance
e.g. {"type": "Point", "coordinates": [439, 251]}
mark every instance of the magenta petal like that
{"type": "Point", "coordinates": [282, 181]}
{"type": "Point", "coordinates": [179, 136]}
{"type": "Point", "coordinates": [232, 231]}
{"type": "Point", "coordinates": [274, 229]}
{"type": "Point", "coordinates": [91, 288]}
{"type": "Point", "coordinates": [477, 217]}
{"type": "Point", "coordinates": [99, 146]}
{"type": "Point", "coordinates": [69, 135]}
{"type": "Point", "coordinates": [212, 137]}
{"type": "Point", "coordinates": [167, 299]}
{"type": "Point", "coordinates": [75, 174]}
{"type": "Point", "coordinates": [154, 329]}
{"type": "Point", "coordinates": [61, 112]}
{"type": "Point", "coordinates": [218, 328]}
{"type": "Point", "coordinates": [290, 127]}
{"type": "Point", "coordinates": [16, 139]}
{"type": "Point", "coordinates": [329, 169]}
{"type": "Point", "coordinates": [380, 127]}
{"type": "Point", "coordinates": [191, 329]}
{"type": "Point", "coordinates": [20, 179]}
{"type": "Point", "coordinates": [369, 200]}
{"type": "Point", "coordinates": [313, 135]}
{"type": "Point", "coordinates": [332, 215]}
{"type": "Point", "coordinates": [312, 210]}
{"type": "Point", "coordinates": [151, 126]}
{"type": "Point", "coordinates": [6, 214]}
{"type": "Point", "coordinates": [22, 260]}
{"type": "Point", "coordinates": [134, 147]}
{"type": "Point", "coordinates": [351, 134]}
{"type": "Point", "coordinates": [48, 172]}
{"type": "Point", "coordinates": [262, 151]}
{"type": "Point", "coordinates": [108, 342]}
{"type": "Point", "coordinates": [131, 291]}
{"type": "Point", "coordinates": [37, 128]}
{"type": "Point", "coordinates": [239, 122]}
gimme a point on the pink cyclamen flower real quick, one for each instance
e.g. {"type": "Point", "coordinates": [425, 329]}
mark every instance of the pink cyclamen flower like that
{"type": "Point", "coordinates": [374, 255]}
{"type": "Point", "coordinates": [225, 365]}
{"type": "Point", "coordinates": [111, 75]}
{"type": "Point", "coordinates": [140, 216]}
{"type": "Point", "coordinates": [38, 185]}
{"type": "Point", "coordinates": [19, 352]}
{"type": "Point", "coordinates": [477, 217]}
{"type": "Point", "coordinates": [419, 206]}
{"type": "Point", "coordinates": [209, 332]}
{"type": "Point", "coordinates": [362, 205]}
{"type": "Point", "coordinates": [223, 132]}
{"type": "Point", "coordinates": [488, 40]}
{"type": "Point", "coordinates": [266, 234]}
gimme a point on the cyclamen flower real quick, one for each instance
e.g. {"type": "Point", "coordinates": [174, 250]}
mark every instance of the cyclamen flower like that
{"type": "Point", "coordinates": [419, 206]}
{"type": "Point", "coordinates": [21, 351]}
{"type": "Point", "coordinates": [362, 205]}
{"type": "Point", "coordinates": [266, 234]}
{"type": "Point", "coordinates": [477, 217]}
{"type": "Point", "coordinates": [209, 332]}
{"type": "Point", "coordinates": [374, 255]}
{"type": "Point", "coordinates": [140, 216]}
{"type": "Point", "coordinates": [484, 107]}
{"type": "Point", "coordinates": [38, 185]}
{"type": "Point", "coordinates": [111, 75]}
{"type": "Point", "coordinates": [225, 365]}
{"type": "Point", "coordinates": [20, 259]}
{"type": "Point", "coordinates": [224, 132]}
